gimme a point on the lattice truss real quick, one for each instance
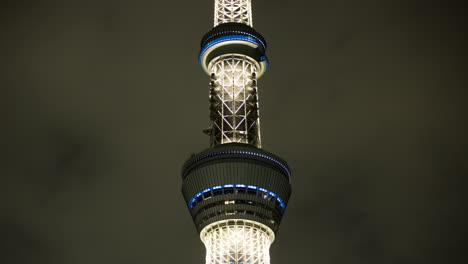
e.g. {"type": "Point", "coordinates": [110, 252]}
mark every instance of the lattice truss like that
{"type": "Point", "coordinates": [234, 102]}
{"type": "Point", "coordinates": [239, 11]}
{"type": "Point", "coordinates": [237, 242]}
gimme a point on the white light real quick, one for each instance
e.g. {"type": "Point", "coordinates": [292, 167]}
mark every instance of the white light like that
{"type": "Point", "coordinates": [235, 103]}
{"type": "Point", "coordinates": [239, 11]}
{"type": "Point", "coordinates": [236, 242]}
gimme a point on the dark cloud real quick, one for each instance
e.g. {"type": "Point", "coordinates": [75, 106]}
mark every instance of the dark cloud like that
{"type": "Point", "coordinates": [19, 245]}
{"type": "Point", "coordinates": [102, 102]}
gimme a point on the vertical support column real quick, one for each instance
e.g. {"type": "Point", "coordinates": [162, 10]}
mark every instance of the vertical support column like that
{"type": "Point", "coordinates": [239, 11]}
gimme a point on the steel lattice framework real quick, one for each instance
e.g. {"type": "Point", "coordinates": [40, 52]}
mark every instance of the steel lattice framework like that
{"type": "Point", "coordinates": [237, 241]}
{"type": "Point", "coordinates": [239, 11]}
{"type": "Point", "coordinates": [236, 192]}
{"type": "Point", "coordinates": [234, 101]}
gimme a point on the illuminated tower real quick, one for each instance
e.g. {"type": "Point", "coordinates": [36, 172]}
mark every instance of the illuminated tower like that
{"type": "Point", "coordinates": [235, 191]}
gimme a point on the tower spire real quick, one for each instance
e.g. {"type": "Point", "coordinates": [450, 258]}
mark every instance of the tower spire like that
{"type": "Point", "coordinates": [235, 191]}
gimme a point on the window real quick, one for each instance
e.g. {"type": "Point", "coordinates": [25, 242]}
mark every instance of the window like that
{"type": "Point", "coordinates": [240, 189]}
{"type": "Point", "coordinates": [207, 195]}
{"type": "Point", "coordinates": [251, 191]}
{"type": "Point", "coordinates": [229, 190]}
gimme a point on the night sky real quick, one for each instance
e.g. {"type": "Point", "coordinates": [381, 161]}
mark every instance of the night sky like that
{"type": "Point", "coordinates": [102, 101]}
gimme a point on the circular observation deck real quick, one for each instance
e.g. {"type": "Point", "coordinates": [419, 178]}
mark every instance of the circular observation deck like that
{"type": "Point", "coordinates": [233, 39]}
{"type": "Point", "coordinates": [236, 181]}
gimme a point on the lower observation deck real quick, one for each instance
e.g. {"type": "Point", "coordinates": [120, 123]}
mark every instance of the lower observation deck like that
{"type": "Point", "coordinates": [236, 181]}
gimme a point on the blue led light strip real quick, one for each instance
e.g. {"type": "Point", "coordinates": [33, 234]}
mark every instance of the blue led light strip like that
{"type": "Point", "coordinates": [228, 38]}
{"type": "Point", "coordinates": [281, 202]}
{"type": "Point", "coordinates": [244, 152]}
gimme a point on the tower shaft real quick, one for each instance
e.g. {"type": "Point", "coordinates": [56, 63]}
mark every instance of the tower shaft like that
{"type": "Point", "coordinates": [237, 241]}
{"type": "Point", "coordinates": [239, 11]}
{"type": "Point", "coordinates": [235, 191]}
{"type": "Point", "coordinates": [234, 101]}
{"type": "Point", "coordinates": [233, 92]}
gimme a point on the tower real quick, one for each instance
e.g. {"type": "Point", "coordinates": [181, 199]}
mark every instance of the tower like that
{"type": "Point", "coordinates": [236, 192]}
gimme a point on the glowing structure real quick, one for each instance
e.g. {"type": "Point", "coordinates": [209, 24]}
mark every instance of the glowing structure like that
{"type": "Point", "coordinates": [236, 192]}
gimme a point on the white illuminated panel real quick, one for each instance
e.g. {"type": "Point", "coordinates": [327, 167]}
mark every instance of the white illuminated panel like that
{"type": "Point", "coordinates": [237, 242]}
{"type": "Point", "coordinates": [239, 11]}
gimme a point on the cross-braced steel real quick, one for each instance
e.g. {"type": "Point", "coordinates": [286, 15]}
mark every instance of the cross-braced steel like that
{"type": "Point", "coordinates": [239, 11]}
{"type": "Point", "coordinates": [234, 101]}
{"type": "Point", "coordinates": [237, 242]}
{"type": "Point", "coordinates": [236, 193]}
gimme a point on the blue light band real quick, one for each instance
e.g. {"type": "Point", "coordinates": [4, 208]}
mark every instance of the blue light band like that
{"type": "Point", "coordinates": [244, 152]}
{"type": "Point", "coordinates": [281, 202]}
{"type": "Point", "coordinates": [221, 39]}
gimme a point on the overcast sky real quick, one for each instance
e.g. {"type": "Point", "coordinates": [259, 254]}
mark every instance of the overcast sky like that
{"type": "Point", "coordinates": [102, 101]}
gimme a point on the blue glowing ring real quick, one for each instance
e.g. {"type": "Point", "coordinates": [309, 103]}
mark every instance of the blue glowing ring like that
{"type": "Point", "coordinates": [281, 202]}
{"type": "Point", "coordinates": [221, 39]}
